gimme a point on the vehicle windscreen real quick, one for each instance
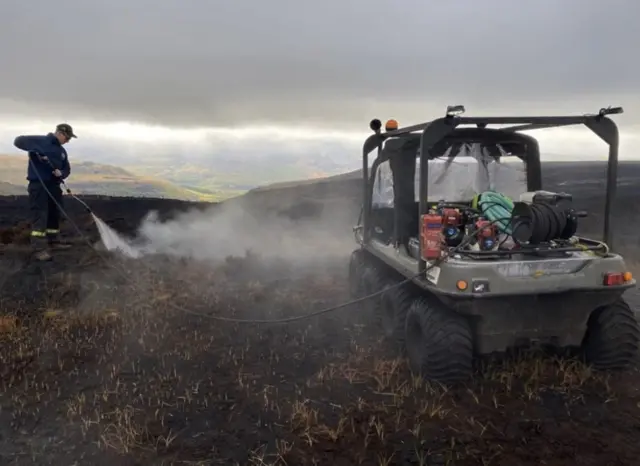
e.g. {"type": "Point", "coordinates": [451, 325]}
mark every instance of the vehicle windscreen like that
{"type": "Point", "coordinates": [462, 171]}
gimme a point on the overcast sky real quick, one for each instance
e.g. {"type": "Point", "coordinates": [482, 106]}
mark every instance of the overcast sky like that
{"type": "Point", "coordinates": [208, 63]}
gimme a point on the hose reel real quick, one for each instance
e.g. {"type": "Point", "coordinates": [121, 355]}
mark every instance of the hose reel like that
{"type": "Point", "coordinates": [538, 218]}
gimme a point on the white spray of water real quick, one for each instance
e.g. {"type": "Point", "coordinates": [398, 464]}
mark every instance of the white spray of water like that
{"type": "Point", "coordinates": [112, 241]}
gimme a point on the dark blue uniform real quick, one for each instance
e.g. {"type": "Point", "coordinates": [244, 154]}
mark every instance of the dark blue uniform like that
{"type": "Point", "coordinates": [45, 222]}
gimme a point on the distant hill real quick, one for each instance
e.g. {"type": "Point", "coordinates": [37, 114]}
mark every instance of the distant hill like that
{"type": "Point", "coordinates": [8, 189]}
{"type": "Point", "coordinates": [95, 178]}
{"type": "Point", "coordinates": [238, 173]}
{"type": "Point", "coordinates": [352, 175]}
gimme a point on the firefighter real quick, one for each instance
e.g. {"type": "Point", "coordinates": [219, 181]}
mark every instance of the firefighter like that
{"type": "Point", "coordinates": [48, 167]}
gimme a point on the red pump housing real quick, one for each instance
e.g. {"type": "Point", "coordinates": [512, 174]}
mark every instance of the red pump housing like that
{"type": "Point", "coordinates": [487, 234]}
{"type": "Point", "coordinates": [431, 237]}
{"type": "Point", "coordinates": [451, 217]}
{"type": "Point", "coordinates": [485, 229]}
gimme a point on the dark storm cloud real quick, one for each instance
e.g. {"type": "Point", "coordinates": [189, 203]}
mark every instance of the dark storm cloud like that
{"type": "Point", "coordinates": [207, 62]}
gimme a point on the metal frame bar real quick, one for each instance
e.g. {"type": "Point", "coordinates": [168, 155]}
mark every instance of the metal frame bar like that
{"type": "Point", "coordinates": [435, 130]}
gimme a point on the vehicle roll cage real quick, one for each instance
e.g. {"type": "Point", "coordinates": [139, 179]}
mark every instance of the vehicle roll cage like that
{"type": "Point", "coordinates": [434, 131]}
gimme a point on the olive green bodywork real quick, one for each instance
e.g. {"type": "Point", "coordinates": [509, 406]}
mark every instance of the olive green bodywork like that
{"type": "Point", "coordinates": [514, 298]}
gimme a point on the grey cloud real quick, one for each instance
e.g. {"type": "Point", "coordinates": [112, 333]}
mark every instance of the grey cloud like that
{"type": "Point", "coordinates": [207, 62]}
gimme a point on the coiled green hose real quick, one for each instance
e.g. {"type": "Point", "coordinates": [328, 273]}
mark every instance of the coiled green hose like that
{"type": "Point", "coordinates": [497, 208]}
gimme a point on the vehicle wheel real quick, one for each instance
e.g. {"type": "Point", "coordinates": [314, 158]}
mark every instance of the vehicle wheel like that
{"type": "Point", "coordinates": [439, 342]}
{"type": "Point", "coordinates": [393, 312]}
{"type": "Point", "coordinates": [357, 265]}
{"type": "Point", "coordinates": [373, 282]}
{"type": "Point", "coordinates": [612, 336]}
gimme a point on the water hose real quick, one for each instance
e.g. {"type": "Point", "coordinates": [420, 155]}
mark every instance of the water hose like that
{"type": "Point", "coordinates": [496, 207]}
{"type": "Point", "coordinates": [53, 167]}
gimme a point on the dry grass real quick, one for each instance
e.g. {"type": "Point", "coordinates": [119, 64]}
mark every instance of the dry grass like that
{"type": "Point", "coordinates": [118, 374]}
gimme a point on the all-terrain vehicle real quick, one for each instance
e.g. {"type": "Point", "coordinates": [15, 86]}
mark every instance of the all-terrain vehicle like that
{"type": "Point", "coordinates": [474, 257]}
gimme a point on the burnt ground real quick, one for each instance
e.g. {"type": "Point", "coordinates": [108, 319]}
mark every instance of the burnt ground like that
{"type": "Point", "coordinates": [118, 362]}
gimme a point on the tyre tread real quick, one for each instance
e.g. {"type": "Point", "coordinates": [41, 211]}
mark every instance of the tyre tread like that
{"type": "Point", "coordinates": [613, 336]}
{"type": "Point", "coordinates": [446, 346]}
{"type": "Point", "coordinates": [397, 301]}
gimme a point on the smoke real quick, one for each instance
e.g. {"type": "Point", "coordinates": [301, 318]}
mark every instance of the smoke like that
{"type": "Point", "coordinates": [298, 232]}
{"type": "Point", "coordinates": [222, 257]}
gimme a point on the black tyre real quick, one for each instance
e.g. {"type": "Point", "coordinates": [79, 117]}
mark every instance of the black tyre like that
{"type": "Point", "coordinates": [373, 282]}
{"type": "Point", "coordinates": [439, 343]}
{"type": "Point", "coordinates": [396, 302]}
{"type": "Point", "coordinates": [357, 265]}
{"type": "Point", "coordinates": [612, 336]}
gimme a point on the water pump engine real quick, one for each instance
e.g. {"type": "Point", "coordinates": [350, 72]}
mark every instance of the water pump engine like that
{"type": "Point", "coordinates": [452, 226]}
{"type": "Point", "coordinates": [487, 235]}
